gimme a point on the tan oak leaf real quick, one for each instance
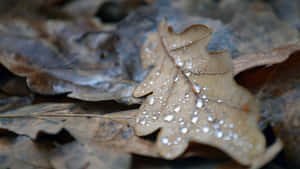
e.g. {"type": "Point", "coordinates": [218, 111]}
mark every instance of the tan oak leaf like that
{"type": "Point", "coordinates": [192, 96]}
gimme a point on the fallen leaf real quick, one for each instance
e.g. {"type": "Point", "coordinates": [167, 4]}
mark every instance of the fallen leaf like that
{"type": "Point", "coordinates": [13, 102]}
{"type": "Point", "coordinates": [276, 55]}
{"type": "Point", "coordinates": [192, 97]}
{"type": "Point", "coordinates": [82, 156]}
{"type": "Point", "coordinates": [60, 57]}
{"type": "Point", "coordinates": [287, 11]}
{"type": "Point", "coordinates": [254, 24]}
{"type": "Point", "coordinates": [21, 152]}
{"type": "Point", "coordinates": [112, 130]}
{"type": "Point", "coordinates": [278, 88]}
{"type": "Point", "coordinates": [288, 128]}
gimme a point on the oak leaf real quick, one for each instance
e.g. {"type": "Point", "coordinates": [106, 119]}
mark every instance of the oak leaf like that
{"type": "Point", "coordinates": [192, 96]}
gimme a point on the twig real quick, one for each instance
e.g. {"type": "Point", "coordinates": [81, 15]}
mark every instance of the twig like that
{"type": "Point", "coordinates": [36, 115]}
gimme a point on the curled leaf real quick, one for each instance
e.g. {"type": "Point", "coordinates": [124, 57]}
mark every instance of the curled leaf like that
{"type": "Point", "coordinates": [58, 57]}
{"type": "Point", "coordinates": [192, 96]}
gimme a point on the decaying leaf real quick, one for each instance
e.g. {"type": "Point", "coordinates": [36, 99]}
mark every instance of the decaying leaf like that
{"type": "Point", "coordinates": [111, 130]}
{"type": "Point", "coordinates": [81, 156]}
{"type": "Point", "coordinates": [289, 127]}
{"type": "Point", "coordinates": [278, 87]}
{"type": "Point", "coordinates": [60, 57]}
{"type": "Point", "coordinates": [193, 97]}
{"type": "Point", "coordinates": [12, 102]}
{"type": "Point", "coordinates": [21, 152]}
{"type": "Point", "coordinates": [276, 55]}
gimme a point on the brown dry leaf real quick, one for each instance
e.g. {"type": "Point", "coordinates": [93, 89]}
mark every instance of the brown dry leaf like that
{"type": "Point", "coordinates": [276, 55]}
{"type": "Point", "coordinates": [80, 156]}
{"type": "Point", "coordinates": [278, 87]}
{"type": "Point", "coordinates": [21, 152]}
{"type": "Point", "coordinates": [111, 130]}
{"type": "Point", "coordinates": [193, 97]}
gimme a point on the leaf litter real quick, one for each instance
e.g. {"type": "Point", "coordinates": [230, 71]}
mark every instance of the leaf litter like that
{"type": "Point", "coordinates": [114, 132]}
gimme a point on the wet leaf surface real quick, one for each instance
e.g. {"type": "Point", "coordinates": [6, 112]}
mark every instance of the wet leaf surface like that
{"type": "Point", "coordinates": [193, 97]}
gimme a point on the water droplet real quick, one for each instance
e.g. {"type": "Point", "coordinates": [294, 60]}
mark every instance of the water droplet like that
{"type": "Point", "coordinates": [195, 112]}
{"type": "Point", "coordinates": [195, 119]}
{"type": "Point", "coordinates": [204, 96]}
{"type": "Point", "coordinates": [184, 130]}
{"type": "Point", "coordinates": [181, 123]}
{"type": "Point", "coordinates": [188, 73]}
{"type": "Point", "coordinates": [216, 126]}
{"type": "Point", "coordinates": [147, 50]}
{"type": "Point", "coordinates": [199, 103]}
{"type": "Point", "coordinates": [174, 45]}
{"type": "Point", "coordinates": [154, 117]}
{"type": "Point", "coordinates": [204, 88]}
{"type": "Point", "coordinates": [231, 125]}
{"type": "Point", "coordinates": [205, 129]}
{"type": "Point", "coordinates": [168, 155]}
{"type": "Point", "coordinates": [197, 88]}
{"type": "Point", "coordinates": [235, 136]}
{"type": "Point", "coordinates": [165, 140]}
{"type": "Point", "coordinates": [187, 95]}
{"type": "Point", "coordinates": [179, 62]}
{"type": "Point", "coordinates": [176, 79]}
{"type": "Point", "coordinates": [197, 130]}
{"type": "Point", "coordinates": [157, 73]}
{"type": "Point", "coordinates": [143, 122]}
{"type": "Point", "coordinates": [151, 100]}
{"type": "Point", "coordinates": [210, 119]}
{"type": "Point", "coordinates": [220, 101]}
{"type": "Point", "coordinates": [226, 138]}
{"type": "Point", "coordinates": [221, 122]}
{"type": "Point", "coordinates": [189, 65]}
{"type": "Point", "coordinates": [177, 109]}
{"type": "Point", "coordinates": [178, 139]}
{"type": "Point", "coordinates": [144, 112]}
{"type": "Point", "coordinates": [219, 134]}
{"type": "Point", "coordinates": [169, 117]}
{"type": "Point", "coordinates": [151, 82]}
